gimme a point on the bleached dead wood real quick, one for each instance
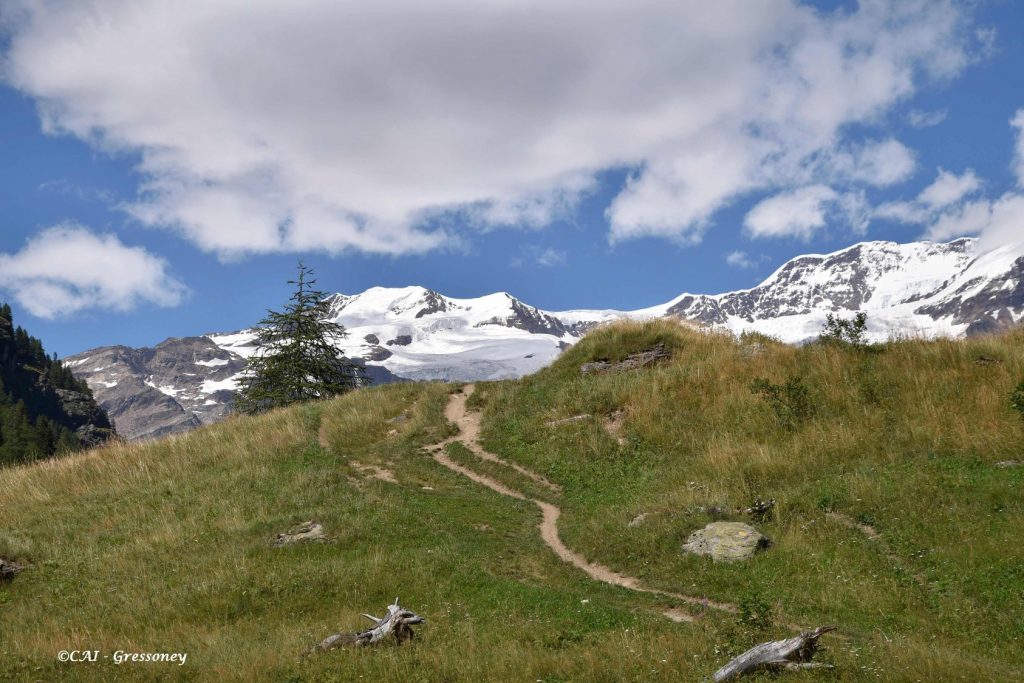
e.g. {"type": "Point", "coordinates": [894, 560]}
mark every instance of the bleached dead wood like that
{"type": "Point", "coordinates": [9, 569]}
{"type": "Point", "coordinates": [792, 653]}
{"type": "Point", "coordinates": [567, 420]}
{"type": "Point", "coordinates": [396, 622]}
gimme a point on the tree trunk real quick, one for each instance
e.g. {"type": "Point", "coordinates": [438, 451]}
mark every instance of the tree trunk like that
{"type": "Point", "coordinates": [397, 622]}
{"type": "Point", "coordinates": [792, 653]}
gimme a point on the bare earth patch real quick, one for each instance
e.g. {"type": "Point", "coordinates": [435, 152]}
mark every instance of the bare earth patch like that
{"type": "Point", "coordinates": [613, 426]}
{"type": "Point", "coordinates": [376, 472]}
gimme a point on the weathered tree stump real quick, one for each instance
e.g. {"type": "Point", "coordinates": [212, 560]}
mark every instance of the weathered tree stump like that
{"type": "Point", "coordinates": [792, 653]}
{"type": "Point", "coordinates": [9, 569]}
{"type": "Point", "coordinates": [397, 622]}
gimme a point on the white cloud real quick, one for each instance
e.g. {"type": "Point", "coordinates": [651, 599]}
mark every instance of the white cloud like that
{"type": "Point", "coordinates": [551, 257]}
{"type": "Point", "coordinates": [797, 213]}
{"type": "Point", "coordinates": [740, 259]}
{"type": "Point", "coordinates": [265, 126]}
{"type": "Point", "coordinates": [948, 189]}
{"type": "Point", "coordinates": [1017, 122]}
{"type": "Point", "coordinates": [879, 163]}
{"type": "Point", "coordinates": [919, 118]}
{"type": "Point", "coordinates": [885, 163]}
{"type": "Point", "coordinates": [996, 222]}
{"type": "Point", "coordinates": [546, 257]}
{"type": "Point", "coordinates": [969, 218]}
{"type": "Point", "coordinates": [950, 207]}
{"type": "Point", "coordinates": [67, 268]}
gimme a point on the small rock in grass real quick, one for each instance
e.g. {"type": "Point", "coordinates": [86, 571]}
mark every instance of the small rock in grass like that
{"type": "Point", "coordinates": [303, 533]}
{"type": "Point", "coordinates": [760, 510]}
{"type": "Point", "coordinates": [726, 541]}
{"type": "Point", "coordinates": [638, 520]}
{"type": "Point", "coordinates": [633, 361]}
{"type": "Point", "coordinates": [1004, 464]}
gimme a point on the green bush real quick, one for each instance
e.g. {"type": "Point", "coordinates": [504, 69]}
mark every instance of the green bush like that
{"type": "Point", "coordinates": [846, 331]}
{"type": "Point", "coordinates": [790, 402]}
{"type": "Point", "coordinates": [1017, 399]}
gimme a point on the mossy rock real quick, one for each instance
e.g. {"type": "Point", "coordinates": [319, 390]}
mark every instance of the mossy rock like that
{"type": "Point", "coordinates": [726, 541]}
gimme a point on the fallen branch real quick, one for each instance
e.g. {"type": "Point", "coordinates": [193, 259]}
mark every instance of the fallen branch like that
{"type": "Point", "coordinates": [792, 653]}
{"type": "Point", "coordinates": [9, 569]}
{"type": "Point", "coordinates": [567, 420]}
{"type": "Point", "coordinates": [397, 622]}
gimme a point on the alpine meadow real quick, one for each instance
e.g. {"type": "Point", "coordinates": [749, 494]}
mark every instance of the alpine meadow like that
{"type": "Point", "coordinates": [895, 518]}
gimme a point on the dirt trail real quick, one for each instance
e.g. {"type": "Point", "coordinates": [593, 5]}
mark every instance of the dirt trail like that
{"type": "Point", "coordinates": [469, 436]}
{"type": "Point", "coordinates": [469, 432]}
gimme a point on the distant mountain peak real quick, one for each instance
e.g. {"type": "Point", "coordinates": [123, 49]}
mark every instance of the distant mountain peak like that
{"type": "Point", "coordinates": [917, 288]}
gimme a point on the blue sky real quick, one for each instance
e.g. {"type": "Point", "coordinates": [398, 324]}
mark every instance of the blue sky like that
{"type": "Point", "coordinates": [160, 177]}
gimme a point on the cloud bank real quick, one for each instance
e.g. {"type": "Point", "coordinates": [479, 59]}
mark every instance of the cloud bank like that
{"type": "Point", "coordinates": [952, 206]}
{"type": "Point", "coordinates": [66, 269]}
{"type": "Point", "coordinates": [264, 126]}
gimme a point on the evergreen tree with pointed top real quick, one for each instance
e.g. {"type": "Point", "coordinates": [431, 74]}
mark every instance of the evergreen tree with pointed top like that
{"type": "Point", "coordinates": [296, 357]}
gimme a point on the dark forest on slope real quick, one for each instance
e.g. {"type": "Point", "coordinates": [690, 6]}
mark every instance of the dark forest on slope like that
{"type": "Point", "coordinates": [44, 409]}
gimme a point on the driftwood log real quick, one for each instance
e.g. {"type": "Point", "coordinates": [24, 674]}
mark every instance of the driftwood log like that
{"type": "Point", "coordinates": [396, 622]}
{"type": "Point", "coordinates": [792, 653]}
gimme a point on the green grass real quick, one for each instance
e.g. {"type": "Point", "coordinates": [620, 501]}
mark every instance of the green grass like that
{"type": "Point", "coordinates": [903, 437]}
{"type": "Point", "coordinates": [166, 546]}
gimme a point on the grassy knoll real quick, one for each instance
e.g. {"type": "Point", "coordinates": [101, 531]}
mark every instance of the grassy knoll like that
{"type": "Point", "coordinates": [166, 546]}
{"type": "Point", "coordinates": [904, 438]}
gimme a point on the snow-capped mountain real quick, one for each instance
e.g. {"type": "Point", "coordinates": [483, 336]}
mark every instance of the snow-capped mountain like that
{"type": "Point", "coordinates": [916, 289]}
{"type": "Point", "coordinates": [419, 334]}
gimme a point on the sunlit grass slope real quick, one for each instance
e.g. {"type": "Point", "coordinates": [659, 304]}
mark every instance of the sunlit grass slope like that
{"type": "Point", "coordinates": [903, 438]}
{"type": "Point", "coordinates": [167, 546]}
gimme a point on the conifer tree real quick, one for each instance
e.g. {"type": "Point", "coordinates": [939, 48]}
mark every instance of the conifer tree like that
{"type": "Point", "coordinates": [296, 357]}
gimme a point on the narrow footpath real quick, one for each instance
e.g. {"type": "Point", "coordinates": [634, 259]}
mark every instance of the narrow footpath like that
{"type": "Point", "coordinates": [468, 423]}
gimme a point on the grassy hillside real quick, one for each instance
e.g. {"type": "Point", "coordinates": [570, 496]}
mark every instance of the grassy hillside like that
{"type": "Point", "coordinates": [166, 546]}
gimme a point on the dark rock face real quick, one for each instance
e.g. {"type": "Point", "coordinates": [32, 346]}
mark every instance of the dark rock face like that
{"type": "Point", "coordinates": [377, 353]}
{"type": "Point", "coordinates": [372, 339]}
{"type": "Point", "coordinates": [434, 303]}
{"type": "Point", "coordinates": [336, 303]}
{"type": "Point", "coordinates": [38, 395]}
{"type": "Point", "coordinates": [376, 374]}
{"type": "Point", "coordinates": [400, 340]}
{"type": "Point", "coordinates": [85, 416]}
{"type": "Point", "coordinates": [530, 319]}
{"type": "Point", "coordinates": [988, 309]}
{"type": "Point", "coordinates": [173, 387]}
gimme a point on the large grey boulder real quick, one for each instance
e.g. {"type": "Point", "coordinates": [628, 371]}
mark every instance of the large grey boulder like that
{"type": "Point", "coordinates": [726, 541]}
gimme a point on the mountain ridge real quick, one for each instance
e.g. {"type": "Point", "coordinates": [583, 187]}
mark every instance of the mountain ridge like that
{"type": "Point", "coordinates": [928, 289]}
